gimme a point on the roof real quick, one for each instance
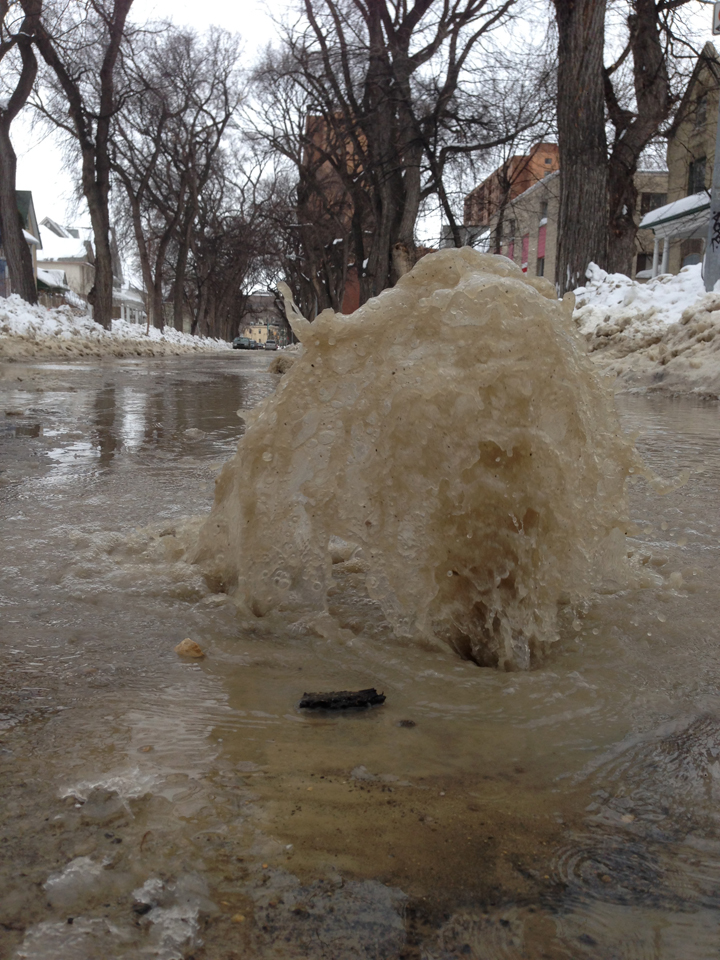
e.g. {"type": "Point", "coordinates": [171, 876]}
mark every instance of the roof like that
{"type": "Point", "coordinates": [57, 228]}
{"type": "Point", "coordinates": [64, 248]}
{"type": "Point", "coordinates": [684, 218]}
{"type": "Point", "coordinates": [536, 186]}
{"type": "Point", "coordinates": [52, 279]}
{"type": "Point", "coordinates": [129, 295]}
{"type": "Point", "coordinates": [31, 239]}
{"type": "Point", "coordinates": [708, 58]}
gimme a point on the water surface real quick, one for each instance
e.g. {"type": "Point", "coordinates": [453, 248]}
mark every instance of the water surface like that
{"type": "Point", "coordinates": [160, 808]}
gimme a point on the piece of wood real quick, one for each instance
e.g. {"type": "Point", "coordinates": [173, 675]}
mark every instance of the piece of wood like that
{"type": "Point", "coordinates": [342, 699]}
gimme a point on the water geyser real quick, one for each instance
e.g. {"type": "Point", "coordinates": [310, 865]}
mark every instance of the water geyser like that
{"type": "Point", "coordinates": [454, 439]}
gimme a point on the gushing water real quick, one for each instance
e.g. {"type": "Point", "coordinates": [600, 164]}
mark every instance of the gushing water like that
{"type": "Point", "coordinates": [450, 439]}
{"type": "Point", "coordinates": [162, 808]}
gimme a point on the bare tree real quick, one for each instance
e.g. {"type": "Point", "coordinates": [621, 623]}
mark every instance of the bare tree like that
{"type": "Point", "coordinates": [16, 38]}
{"type": "Point", "coordinates": [166, 144]}
{"type": "Point", "coordinates": [233, 246]}
{"type": "Point", "coordinates": [81, 42]}
{"type": "Point", "coordinates": [370, 101]}
{"type": "Point", "coordinates": [642, 88]}
{"type": "Point", "coordinates": [637, 94]}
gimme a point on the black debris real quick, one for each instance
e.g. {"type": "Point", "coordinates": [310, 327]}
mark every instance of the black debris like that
{"type": "Point", "coordinates": [342, 699]}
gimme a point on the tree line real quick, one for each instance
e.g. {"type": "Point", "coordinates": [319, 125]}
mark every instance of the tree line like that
{"type": "Point", "coordinates": [317, 163]}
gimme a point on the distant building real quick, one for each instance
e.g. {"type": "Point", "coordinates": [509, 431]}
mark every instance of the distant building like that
{"type": "Point", "coordinates": [264, 319]}
{"type": "Point", "coordinates": [129, 303]}
{"type": "Point", "coordinates": [485, 203]}
{"type": "Point", "coordinates": [70, 249]}
{"type": "Point", "coordinates": [522, 222]}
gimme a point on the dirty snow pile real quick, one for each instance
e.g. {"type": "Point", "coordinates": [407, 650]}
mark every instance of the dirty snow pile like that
{"type": "Point", "coordinates": [661, 335]}
{"type": "Point", "coordinates": [35, 331]}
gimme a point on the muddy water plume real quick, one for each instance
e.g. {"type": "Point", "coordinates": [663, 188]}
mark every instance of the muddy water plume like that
{"type": "Point", "coordinates": [450, 450]}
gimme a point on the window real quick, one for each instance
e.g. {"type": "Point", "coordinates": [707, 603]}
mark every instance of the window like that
{"type": "Point", "coordinates": [643, 262]}
{"type": "Point", "coordinates": [541, 267]}
{"type": "Point", "coordinates": [696, 176]}
{"type": "Point", "coordinates": [548, 160]}
{"type": "Point", "coordinates": [701, 111]}
{"type": "Point", "coordinates": [651, 201]}
{"type": "Point", "coordinates": [543, 210]}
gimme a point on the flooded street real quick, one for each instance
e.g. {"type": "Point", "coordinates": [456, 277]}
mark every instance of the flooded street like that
{"type": "Point", "coordinates": [154, 807]}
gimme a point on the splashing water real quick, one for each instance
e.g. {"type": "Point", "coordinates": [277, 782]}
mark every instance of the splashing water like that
{"type": "Point", "coordinates": [452, 442]}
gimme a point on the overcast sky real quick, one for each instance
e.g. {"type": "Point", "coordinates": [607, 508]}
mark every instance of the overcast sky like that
{"type": "Point", "coordinates": [39, 160]}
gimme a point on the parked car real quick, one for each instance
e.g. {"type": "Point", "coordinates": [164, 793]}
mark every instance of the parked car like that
{"type": "Point", "coordinates": [270, 345]}
{"type": "Point", "coordinates": [243, 343]}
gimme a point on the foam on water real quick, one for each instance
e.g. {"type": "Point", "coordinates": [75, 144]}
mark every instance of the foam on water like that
{"type": "Point", "coordinates": [454, 436]}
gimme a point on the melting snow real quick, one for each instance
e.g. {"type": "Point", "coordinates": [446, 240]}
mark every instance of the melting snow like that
{"type": "Point", "coordinates": [28, 330]}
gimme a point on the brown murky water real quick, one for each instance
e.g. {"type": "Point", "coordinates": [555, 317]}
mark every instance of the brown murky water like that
{"type": "Point", "coordinates": [157, 808]}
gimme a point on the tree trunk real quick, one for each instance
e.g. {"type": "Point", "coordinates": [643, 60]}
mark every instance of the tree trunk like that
{"type": "Point", "coordinates": [91, 124]}
{"type": "Point", "coordinates": [180, 268]}
{"type": "Point", "coordinates": [141, 245]}
{"type": "Point", "coordinates": [582, 221]}
{"type": "Point", "coordinates": [622, 228]}
{"type": "Point", "coordinates": [158, 320]}
{"type": "Point", "coordinates": [17, 251]}
{"type": "Point", "coordinates": [100, 296]}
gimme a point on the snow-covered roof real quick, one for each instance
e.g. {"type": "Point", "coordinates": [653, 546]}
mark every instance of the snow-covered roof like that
{"type": "Point", "coordinates": [130, 295]}
{"type": "Point", "coordinates": [687, 217]}
{"type": "Point", "coordinates": [57, 228]}
{"type": "Point", "coordinates": [63, 248]}
{"type": "Point", "coordinates": [52, 278]}
{"type": "Point", "coordinates": [31, 239]}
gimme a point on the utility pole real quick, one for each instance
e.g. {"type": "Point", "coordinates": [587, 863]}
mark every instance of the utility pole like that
{"type": "Point", "coordinates": [712, 245]}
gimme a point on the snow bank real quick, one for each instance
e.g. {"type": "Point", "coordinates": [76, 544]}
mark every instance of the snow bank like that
{"type": "Point", "coordinates": [34, 331]}
{"type": "Point", "coordinates": [614, 300]}
{"type": "Point", "coordinates": [662, 336]}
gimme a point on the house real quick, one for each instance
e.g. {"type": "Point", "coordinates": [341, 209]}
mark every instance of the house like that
{"type": "Point", "coordinates": [484, 204]}
{"type": "Point", "coordinates": [264, 319]}
{"type": "Point", "coordinates": [681, 224]}
{"type": "Point", "coordinates": [129, 303]}
{"type": "Point", "coordinates": [524, 227]}
{"type": "Point", "coordinates": [26, 210]}
{"type": "Point", "coordinates": [70, 249]}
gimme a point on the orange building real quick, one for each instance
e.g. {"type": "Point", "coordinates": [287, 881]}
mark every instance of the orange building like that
{"type": "Point", "coordinates": [514, 177]}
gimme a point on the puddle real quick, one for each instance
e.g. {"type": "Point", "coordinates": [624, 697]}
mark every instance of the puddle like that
{"type": "Point", "coordinates": [160, 808]}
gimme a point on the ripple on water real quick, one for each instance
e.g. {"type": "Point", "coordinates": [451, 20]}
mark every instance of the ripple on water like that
{"type": "Point", "coordinates": [615, 869]}
{"type": "Point", "coordinates": [600, 931]}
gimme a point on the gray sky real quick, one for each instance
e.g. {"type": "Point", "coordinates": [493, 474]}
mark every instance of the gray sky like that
{"type": "Point", "coordinates": [39, 160]}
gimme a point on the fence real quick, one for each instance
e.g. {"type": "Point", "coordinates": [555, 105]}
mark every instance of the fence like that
{"type": "Point", "coordinates": [50, 300]}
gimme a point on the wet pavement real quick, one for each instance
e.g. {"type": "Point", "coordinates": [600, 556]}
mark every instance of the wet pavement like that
{"type": "Point", "coordinates": [166, 808]}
